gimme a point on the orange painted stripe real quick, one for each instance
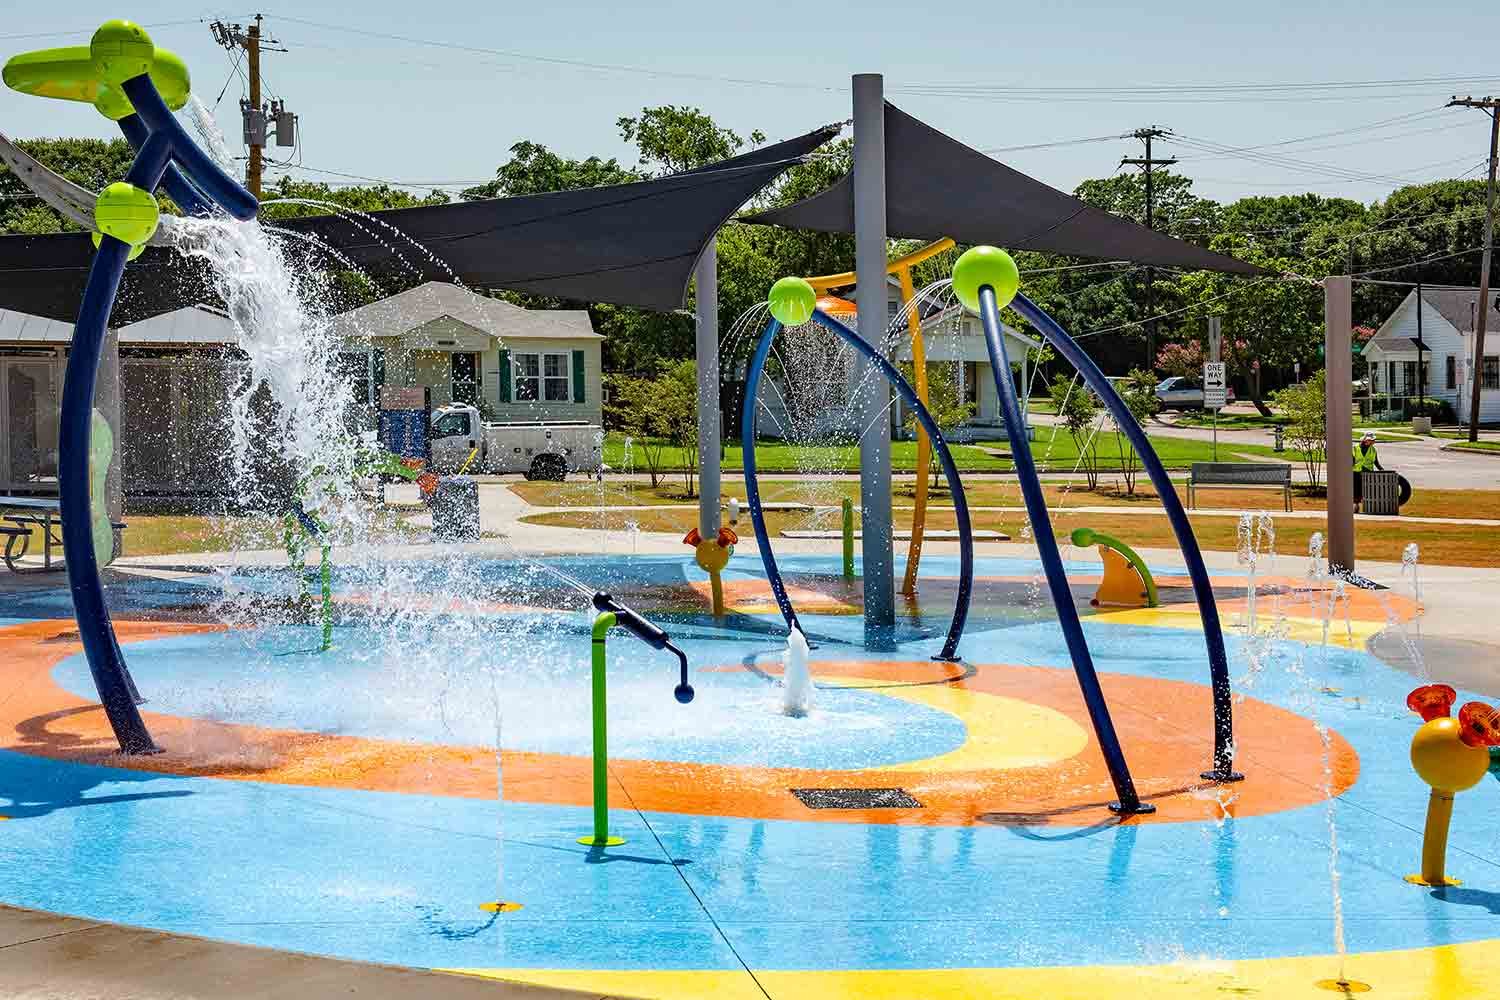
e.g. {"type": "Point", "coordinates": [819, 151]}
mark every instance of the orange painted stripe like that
{"type": "Point", "coordinates": [1165, 727]}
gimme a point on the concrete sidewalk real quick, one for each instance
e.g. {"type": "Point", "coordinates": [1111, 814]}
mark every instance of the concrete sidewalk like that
{"type": "Point", "coordinates": [46, 956]}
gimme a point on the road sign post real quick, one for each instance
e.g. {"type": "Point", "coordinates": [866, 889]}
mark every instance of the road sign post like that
{"type": "Point", "coordinates": [1215, 394]}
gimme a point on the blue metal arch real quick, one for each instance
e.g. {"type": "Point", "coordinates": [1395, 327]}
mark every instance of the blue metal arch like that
{"type": "Point", "coordinates": [1208, 608]}
{"type": "Point", "coordinates": [934, 433]}
{"type": "Point", "coordinates": [1129, 801]}
{"type": "Point", "coordinates": [159, 140]}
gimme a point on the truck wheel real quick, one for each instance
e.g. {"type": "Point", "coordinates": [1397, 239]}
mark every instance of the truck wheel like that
{"type": "Point", "coordinates": [548, 468]}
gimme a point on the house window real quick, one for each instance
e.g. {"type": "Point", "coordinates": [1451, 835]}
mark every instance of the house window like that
{"type": "Point", "coordinates": [1375, 377]}
{"type": "Point", "coordinates": [542, 376]}
{"type": "Point", "coordinates": [1450, 372]}
{"type": "Point", "coordinates": [1491, 372]}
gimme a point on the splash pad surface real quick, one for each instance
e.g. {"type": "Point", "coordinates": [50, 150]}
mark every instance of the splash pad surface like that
{"type": "Point", "coordinates": [346, 804]}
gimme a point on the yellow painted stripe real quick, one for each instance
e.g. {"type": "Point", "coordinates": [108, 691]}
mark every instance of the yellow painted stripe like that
{"type": "Point", "coordinates": [1470, 970]}
{"type": "Point", "coordinates": [1355, 635]}
{"type": "Point", "coordinates": [1000, 733]}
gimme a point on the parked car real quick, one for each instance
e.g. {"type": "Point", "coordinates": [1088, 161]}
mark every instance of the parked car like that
{"type": "Point", "coordinates": [1184, 392]}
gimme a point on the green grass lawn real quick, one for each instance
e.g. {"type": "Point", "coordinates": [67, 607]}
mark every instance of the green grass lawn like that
{"type": "Point", "coordinates": [1229, 421]}
{"type": "Point", "coordinates": [1466, 445]}
{"type": "Point", "coordinates": [1052, 455]}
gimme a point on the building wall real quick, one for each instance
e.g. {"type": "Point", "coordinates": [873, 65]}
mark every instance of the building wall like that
{"type": "Point", "coordinates": [1445, 341]}
{"type": "Point", "coordinates": [590, 408]}
{"type": "Point", "coordinates": [1489, 399]}
{"type": "Point", "coordinates": [1438, 334]}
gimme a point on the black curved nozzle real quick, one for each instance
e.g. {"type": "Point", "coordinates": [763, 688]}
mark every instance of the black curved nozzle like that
{"type": "Point", "coordinates": [652, 635]}
{"type": "Point", "coordinates": [632, 622]}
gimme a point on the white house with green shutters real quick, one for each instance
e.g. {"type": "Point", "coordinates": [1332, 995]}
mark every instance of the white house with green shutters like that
{"type": "Point", "coordinates": [514, 363]}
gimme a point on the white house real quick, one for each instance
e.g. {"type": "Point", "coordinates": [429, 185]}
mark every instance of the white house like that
{"type": "Point", "coordinates": [1448, 319]}
{"type": "Point", "coordinates": [520, 364]}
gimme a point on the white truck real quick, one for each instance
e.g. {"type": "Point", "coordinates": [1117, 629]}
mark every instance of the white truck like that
{"type": "Point", "coordinates": [538, 449]}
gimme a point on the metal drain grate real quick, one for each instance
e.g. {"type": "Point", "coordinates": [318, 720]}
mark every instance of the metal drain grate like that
{"type": "Point", "coordinates": [856, 798]}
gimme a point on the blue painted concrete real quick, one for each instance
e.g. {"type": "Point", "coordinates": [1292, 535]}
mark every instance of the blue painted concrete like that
{"type": "Point", "coordinates": [399, 878]}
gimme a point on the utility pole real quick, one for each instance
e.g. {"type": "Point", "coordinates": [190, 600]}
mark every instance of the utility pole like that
{"type": "Point", "coordinates": [1491, 107]}
{"type": "Point", "coordinates": [252, 58]}
{"type": "Point", "coordinates": [253, 111]}
{"type": "Point", "coordinates": [1146, 163]}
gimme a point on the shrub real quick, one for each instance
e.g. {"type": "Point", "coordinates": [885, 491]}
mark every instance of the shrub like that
{"type": "Point", "coordinates": [1305, 407]}
{"type": "Point", "coordinates": [1078, 408]}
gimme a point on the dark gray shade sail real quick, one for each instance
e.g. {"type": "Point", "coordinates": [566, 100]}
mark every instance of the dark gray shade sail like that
{"type": "Point", "coordinates": [936, 186]}
{"type": "Point", "coordinates": [628, 244]}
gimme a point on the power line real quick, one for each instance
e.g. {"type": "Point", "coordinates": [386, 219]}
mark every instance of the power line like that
{"type": "Point", "coordinates": [558, 61]}
{"type": "Point", "coordinates": [1056, 145]}
{"type": "Point", "coordinates": [88, 31]}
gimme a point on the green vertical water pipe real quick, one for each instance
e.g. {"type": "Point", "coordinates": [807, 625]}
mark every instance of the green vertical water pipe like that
{"type": "Point", "coordinates": [327, 573]}
{"type": "Point", "coordinates": [600, 837]}
{"type": "Point", "coordinates": [848, 539]}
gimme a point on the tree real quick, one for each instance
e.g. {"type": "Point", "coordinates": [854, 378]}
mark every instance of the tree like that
{"type": "Point", "coordinates": [660, 413]}
{"type": "Point", "coordinates": [1270, 322]}
{"type": "Point", "coordinates": [674, 139]}
{"type": "Point", "coordinates": [1078, 408]}
{"type": "Point", "coordinates": [677, 392]}
{"type": "Point", "coordinates": [535, 169]}
{"type": "Point", "coordinates": [1138, 390]}
{"type": "Point", "coordinates": [282, 200]}
{"type": "Point", "coordinates": [92, 163]}
{"type": "Point", "coordinates": [1307, 424]}
{"type": "Point", "coordinates": [944, 404]}
{"type": "Point", "coordinates": [1185, 359]}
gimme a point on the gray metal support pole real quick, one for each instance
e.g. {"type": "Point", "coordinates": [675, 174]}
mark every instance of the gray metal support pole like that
{"type": "Point", "coordinates": [873, 408]}
{"type": "Point", "coordinates": [706, 279]}
{"type": "Point", "coordinates": [1338, 311]}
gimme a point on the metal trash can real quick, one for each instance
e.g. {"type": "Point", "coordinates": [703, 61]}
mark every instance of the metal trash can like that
{"type": "Point", "coordinates": [1278, 434]}
{"type": "Point", "coordinates": [1381, 493]}
{"type": "Point", "coordinates": [455, 510]}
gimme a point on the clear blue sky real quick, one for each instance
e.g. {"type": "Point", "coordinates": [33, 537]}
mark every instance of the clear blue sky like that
{"type": "Point", "coordinates": [417, 113]}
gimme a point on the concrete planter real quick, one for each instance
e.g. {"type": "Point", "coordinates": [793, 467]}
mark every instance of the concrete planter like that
{"type": "Point", "coordinates": [1421, 425]}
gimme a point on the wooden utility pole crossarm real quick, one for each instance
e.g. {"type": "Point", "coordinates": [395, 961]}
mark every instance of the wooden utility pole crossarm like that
{"type": "Point", "coordinates": [1491, 107]}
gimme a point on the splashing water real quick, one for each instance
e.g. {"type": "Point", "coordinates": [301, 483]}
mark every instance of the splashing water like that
{"type": "Point", "coordinates": [1256, 537]}
{"type": "Point", "coordinates": [1409, 557]}
{"type": "Point", "coordinates": [796, 679]}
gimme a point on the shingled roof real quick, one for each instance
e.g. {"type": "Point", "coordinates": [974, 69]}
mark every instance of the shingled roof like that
{"type": "Point", "coordinates": [410, 309]}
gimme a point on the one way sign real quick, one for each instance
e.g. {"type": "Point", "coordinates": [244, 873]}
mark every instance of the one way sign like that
{"type": "Point", "coordinates": [1215, 391]}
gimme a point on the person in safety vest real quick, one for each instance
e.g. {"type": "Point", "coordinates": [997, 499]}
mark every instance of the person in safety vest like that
{"type": "Point", "coordinates": [1365, 460]}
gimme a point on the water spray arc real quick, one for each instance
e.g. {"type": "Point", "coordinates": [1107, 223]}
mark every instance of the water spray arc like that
{"type": "Point", "coordinates": [794, 302]}
{"type": "Point", "coordinates": [123, 74]}
{"type": "Point", "coordinates": [901, 269]}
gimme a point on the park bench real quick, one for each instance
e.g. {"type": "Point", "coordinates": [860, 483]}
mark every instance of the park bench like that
{"type": "Point", "coordinates": [44, 514]}
{"type": "Point", "coordinates": [1241, 475]}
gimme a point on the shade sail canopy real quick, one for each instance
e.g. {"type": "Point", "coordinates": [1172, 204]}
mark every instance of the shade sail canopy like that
{"type": "Point", "coordinates": [628, 244]}
{"type": "Point", "coordinates": [936, 186]}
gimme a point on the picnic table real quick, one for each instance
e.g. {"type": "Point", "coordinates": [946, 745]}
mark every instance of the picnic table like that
{"type": "Point", "coordinates": [21, 514]}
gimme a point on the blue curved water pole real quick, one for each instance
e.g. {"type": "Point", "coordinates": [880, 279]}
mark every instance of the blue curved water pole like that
{"type": "Point", "coordinates": [1203, 591]}
{"type": "Point", "coordinates": [1057, 578]}
{"type": "Point", "coordinates": [163, 141]}
{"type": "Point", "coordinates": [934, 433]}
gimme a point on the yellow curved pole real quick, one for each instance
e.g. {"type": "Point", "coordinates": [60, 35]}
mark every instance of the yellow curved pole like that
{"type": "Point", "coordinates": [901, 268]}
{"type": "Point", "coordinates": [924, 446]}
